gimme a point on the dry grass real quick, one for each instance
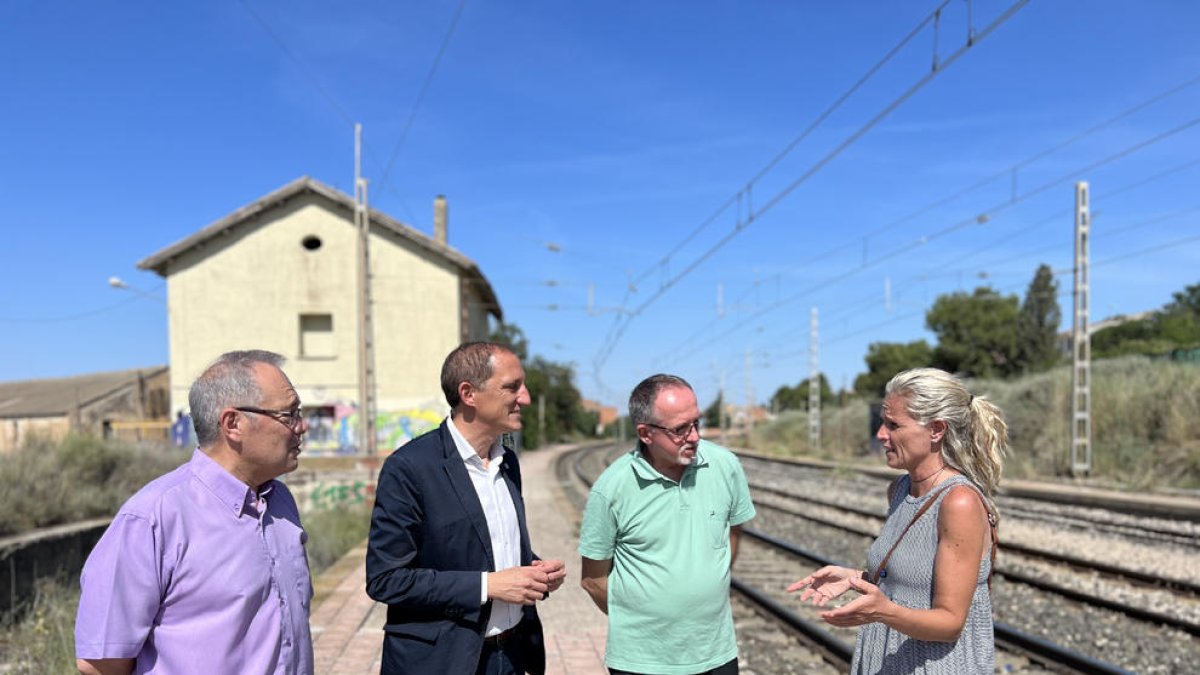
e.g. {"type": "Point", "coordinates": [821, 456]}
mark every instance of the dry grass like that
{"type": "Point", "coordinates": [334, 532]}
{"type": "Point", "coordinates": [40, 638]}
{"type": "Point", "coordinates": [50, 483]}
{"type": "Point", "coordinates": [1143, 416]}
{"type": "Point", "coordinates": [43, 639]}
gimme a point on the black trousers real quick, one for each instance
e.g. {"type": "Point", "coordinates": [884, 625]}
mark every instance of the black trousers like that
{"type": "Point", "coordinates": [730, 668]}
{"type": "Point", "coordinates": [508, 658]}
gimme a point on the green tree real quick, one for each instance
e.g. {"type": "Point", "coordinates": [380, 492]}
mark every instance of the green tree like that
{"type": "Point", "coordinates": [977, 333]}
{"type": "Point", "coordinates": [885, 359]}
{"type": "Point", "coordinates": [1139, 336]}
{"type": "Point", "coordinates": [1175, 326]}
{"type": "Point", "coordinates": [712, 414]}
{"type": "Point", "coordinates": [553, 383]}
{"type": "Point", "coordinates": [796, 398]}
{"type": "Point", "coordinates": [1185, 301]}
{"type": "Point", "coordinates": [1179, 321]}
{"type": "Point", "coordinates": [510, 335]}
{"type": "Point", "coordinates": [1038, 322]}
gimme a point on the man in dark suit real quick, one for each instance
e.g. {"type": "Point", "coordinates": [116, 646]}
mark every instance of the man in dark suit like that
{"type": "Point", "coordinates": [449, 549]}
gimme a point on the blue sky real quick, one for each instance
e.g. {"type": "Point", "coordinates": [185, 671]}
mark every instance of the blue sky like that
{"type": "Point", "coordinates": [611, 131]}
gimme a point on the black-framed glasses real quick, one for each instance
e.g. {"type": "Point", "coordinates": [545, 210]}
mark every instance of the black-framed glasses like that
{"type": "Point", "coordinates": [290, 418]}
{"type": "Point", "coordinates": [680, 432]}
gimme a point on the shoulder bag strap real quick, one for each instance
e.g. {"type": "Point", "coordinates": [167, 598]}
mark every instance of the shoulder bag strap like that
{"type": "Point", "coordinates": [925, 507]}
{"type": "Point", "coordinates": [874, 578]}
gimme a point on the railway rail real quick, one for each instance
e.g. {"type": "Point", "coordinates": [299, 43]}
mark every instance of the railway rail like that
{"type": "Point", "coordinates": [762, 576]}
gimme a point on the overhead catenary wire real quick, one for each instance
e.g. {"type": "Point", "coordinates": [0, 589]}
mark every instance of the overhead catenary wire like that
{"type": "Point", "coordinates": [1012, 169]}
{"type": "Point", "coordinates": [313, 80]}
{"type": "Point", "coordinates": [412, 115]}
{"type": "Point", "coordinates": [958, 225]}
{"type": "Point", "coordinates": [319, 87]}
{"type": "Point", "coordinates": [973, 39]}
{"type": "Point", "coordinates": [1009, 170]}
{"type": "Point", "coordinates": [1006, 289]}
{"type": "Point", "coordinates": [79, 315]}
{"type": "Point", "coordinates": [618, 326]}
{"type": "Point", "coordinates": [747, 190]}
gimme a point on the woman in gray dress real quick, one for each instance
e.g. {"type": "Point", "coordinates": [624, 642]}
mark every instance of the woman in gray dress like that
{"type": "Point", "coordinates": [925, 602]}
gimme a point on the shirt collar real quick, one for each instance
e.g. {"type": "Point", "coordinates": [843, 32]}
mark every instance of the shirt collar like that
{"type": "Point", "coordinates": [232, 493]}
{"type": "Point", "coordinates": [466, 450]}
{"type": "Point", "coordinates": [645, 471]}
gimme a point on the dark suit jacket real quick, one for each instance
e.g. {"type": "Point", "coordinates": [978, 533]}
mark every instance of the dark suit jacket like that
{"type": "Point", "coordinates": [429, 542]}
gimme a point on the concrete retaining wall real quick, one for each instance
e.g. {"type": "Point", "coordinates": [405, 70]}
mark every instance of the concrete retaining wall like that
{"type": "Point", "coordinates": [48, 552]}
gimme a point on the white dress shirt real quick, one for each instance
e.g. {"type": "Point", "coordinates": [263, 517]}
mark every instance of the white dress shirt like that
{"type": "Point", "coordinates": [503, 528]}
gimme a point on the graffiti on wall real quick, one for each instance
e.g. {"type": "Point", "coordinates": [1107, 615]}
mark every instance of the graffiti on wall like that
{"type": "Point", "coordinates": [333, 428]}
{"type": "Point", "coordinates": [324, 496]}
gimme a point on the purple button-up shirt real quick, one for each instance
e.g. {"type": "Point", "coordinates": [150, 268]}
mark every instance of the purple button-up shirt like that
{"type": "Point", "coordinates": [199, 574]}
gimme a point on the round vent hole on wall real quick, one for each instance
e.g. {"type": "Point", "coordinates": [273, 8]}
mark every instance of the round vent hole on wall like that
{"type": "Point", "coordinates": [311, 242]}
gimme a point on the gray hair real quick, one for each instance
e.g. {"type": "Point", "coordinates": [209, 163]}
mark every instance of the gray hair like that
{"type": "Point", "coordinates": [976, 437]}
{"type": "Point", "coordinates": [469, 362]}
{"type": "Point", "coordinates": [228, 382]}
{"type": "Point", "coordinates": [641, 401]}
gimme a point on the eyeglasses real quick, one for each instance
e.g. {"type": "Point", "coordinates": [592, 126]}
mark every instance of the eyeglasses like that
{"type": "Point", "coordinates": [288, 418]}
{"type": "Point", "coordinates": [680, 432]}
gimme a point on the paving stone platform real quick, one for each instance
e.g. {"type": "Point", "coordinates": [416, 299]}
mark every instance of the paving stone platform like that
{"type": "Point", "coordinates": [347, 626]}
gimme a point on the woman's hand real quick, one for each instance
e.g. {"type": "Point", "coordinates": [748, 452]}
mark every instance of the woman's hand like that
{"type": "Point", "coordinates": [870, 608]}
{"type": "Point", "coordinates": [825, 584]}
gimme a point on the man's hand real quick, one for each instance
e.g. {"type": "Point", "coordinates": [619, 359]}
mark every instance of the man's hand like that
{"type": "Point", "coordinates": [556, 572]}
{"type": "Point", "coordinates": [518, 585]}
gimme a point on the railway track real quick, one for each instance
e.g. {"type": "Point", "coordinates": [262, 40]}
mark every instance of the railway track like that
{"type": "Point", "coordinates": [1126, 600]}
{"type": "Point", "coordinates": [770, 638]}
{"type": "Point", "coordinates": [1019, 564]}
{"type": "Point", "coordinates": [1177, 646]}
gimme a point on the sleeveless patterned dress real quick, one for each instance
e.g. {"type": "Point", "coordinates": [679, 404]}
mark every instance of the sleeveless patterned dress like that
{"type": "Point", "coordinates": [909, 582]}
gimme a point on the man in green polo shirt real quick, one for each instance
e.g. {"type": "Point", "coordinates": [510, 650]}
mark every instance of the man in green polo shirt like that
{"type": "Point", "coordinates": [659, 536]}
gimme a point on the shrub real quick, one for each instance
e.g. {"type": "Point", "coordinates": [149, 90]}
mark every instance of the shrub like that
{"type": "Point", "coordinates": [1142, 412]}
{"type": "Point", "coordinates": [333, 532]}
{"type": "Point", "coordinates": [43, 640]}
{"type": "Point", "coordinates": [50, 483]}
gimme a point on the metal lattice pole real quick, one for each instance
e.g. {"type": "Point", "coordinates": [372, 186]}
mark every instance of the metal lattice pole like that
{"type": "Point", "coordinates": [749, 390]}
{"type": "Point", "coordinates": [1081, 343]}
{"type": "Point", "coordinates": [814, 385]}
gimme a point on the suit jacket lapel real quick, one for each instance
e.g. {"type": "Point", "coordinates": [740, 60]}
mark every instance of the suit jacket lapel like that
{"type": "Point", "coordinates": [512, 479]}
{"type": "Point", "coordinates": [460, 482]}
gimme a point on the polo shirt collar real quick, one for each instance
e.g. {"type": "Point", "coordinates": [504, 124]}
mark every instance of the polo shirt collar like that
{"type": "Point", "coordinates": [231, 492]}
{"type": "Point", "coordinates": [645, 471]}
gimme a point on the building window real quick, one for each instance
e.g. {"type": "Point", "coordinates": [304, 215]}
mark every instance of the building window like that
{"type": "Point", "coordinates": [316, 336]}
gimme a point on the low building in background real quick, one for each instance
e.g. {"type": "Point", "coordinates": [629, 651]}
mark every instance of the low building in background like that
{"type": "Point", "coordinates": [606, 415]}
{"type": "Point", "coordinates": [281, 274]}
{"type": "Point", "coordinates": [1066, 338]}
{"type": "Point", "coordinates": [129, 405]}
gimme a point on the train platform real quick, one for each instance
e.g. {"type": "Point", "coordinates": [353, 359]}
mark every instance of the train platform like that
{"type": "Point", "coordinates": [347, 626]}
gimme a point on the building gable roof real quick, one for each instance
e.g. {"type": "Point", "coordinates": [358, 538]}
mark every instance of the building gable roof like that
{"type": "Point", "coordinates": [59, 396]}
{"type": "Point", "coordinates": [159, 262]}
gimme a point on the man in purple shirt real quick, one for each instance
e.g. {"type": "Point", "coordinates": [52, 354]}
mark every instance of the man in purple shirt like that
{"type": "Point", "coordinates": [203, 570]}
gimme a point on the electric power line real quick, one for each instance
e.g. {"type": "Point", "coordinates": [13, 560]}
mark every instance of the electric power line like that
{"type": "Point", "coordinates": [984, 216]}
{"type": "Point", "coordinates": [437, 60]}
{"type": "Point", "coordinates": [1012, 170]}
{"type": "Point", "coordinates": [973, 39]}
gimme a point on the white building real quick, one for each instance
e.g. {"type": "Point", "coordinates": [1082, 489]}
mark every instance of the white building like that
{"type": "Point", "coordinates": [281, 274]}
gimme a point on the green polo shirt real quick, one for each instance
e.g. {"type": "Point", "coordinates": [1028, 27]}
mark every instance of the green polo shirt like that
{"type": "Point", "coordinates": [668, 592]}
